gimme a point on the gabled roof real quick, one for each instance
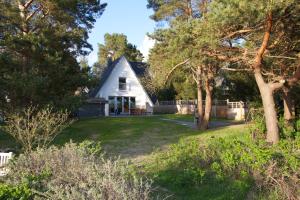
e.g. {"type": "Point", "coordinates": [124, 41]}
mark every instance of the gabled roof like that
{"type": "Point", "coordinates": [139, 69]}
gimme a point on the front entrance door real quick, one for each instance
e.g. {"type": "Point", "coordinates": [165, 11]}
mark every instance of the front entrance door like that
{"type": "Point", "coordinates": [126, 105]}
{"type": "Point", "coordinates": [121, 105]}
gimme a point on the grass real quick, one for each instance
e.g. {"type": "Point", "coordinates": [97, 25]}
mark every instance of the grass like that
{"type": "Point", "coordinates": [177, 179]}
{"type": "Point", "coordinates": [130, 137]}
{"type": "Point", "coordinates": [141, 139]}
{"type": "Point", "coordinates": [135, 137]}
{"type": "Point", "coordinates": [190, 118]}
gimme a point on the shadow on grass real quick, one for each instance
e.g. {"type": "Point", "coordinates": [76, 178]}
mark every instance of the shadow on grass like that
{"type": "Point", "coordinates": [180, 184]}
{"type": "Point", "coordinates": [129, 137]}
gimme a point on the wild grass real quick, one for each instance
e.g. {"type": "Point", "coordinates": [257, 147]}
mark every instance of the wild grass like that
{"type": "Point", "coordinates": [143, 140]}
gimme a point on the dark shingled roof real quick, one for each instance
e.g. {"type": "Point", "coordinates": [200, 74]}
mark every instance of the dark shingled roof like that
{"type": "Point", "coordinates": [139, 69]}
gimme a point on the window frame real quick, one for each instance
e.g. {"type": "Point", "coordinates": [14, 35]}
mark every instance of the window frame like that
{"type": "Point", "coordinates": [122, 85]}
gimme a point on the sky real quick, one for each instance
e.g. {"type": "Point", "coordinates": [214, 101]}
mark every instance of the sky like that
{"type": "Point", "coordinates": [130, 17]}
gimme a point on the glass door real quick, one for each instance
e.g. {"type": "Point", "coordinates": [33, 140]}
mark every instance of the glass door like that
{"type": "Point", "coordinates": [111, 102]}
{"type": "Point", "coordinates": [119, 105]}
{"type": "Point", "coordinates": [126, 105]}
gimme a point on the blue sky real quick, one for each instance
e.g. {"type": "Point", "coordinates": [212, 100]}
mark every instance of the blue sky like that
{"type": "Point", "coordinates": [130, 17]}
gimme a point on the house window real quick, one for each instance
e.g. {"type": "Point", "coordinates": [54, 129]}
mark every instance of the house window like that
{"type": "Point", "coordinates": [122, 83]}
{"type": "Point", "coordinates": [132, 102]}
{"type": "Point", "coordinates": [111, 102]}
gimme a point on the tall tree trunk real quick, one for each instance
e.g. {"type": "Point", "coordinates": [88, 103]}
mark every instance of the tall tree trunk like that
{"type": "Point", "coordinates": [199, 114]}
{"type": "Point", "coordinates": [266, 92]}
{"type": "Point", "coordinates": [208, 105]}
{"type": "Point", "coordinates": [289, 114]}
{"type": "Point", "coordinates": [22, 10]}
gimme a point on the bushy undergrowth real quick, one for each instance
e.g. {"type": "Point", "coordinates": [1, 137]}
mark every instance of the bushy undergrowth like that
{"type": "Point", "coordinates": [11, 192]}
{"type": "Point", "coordinates": [241, 167]}
{"type": "Point", "coordinates": [257, 126]}
{"type": "Point", "coordinates": [76, 172]}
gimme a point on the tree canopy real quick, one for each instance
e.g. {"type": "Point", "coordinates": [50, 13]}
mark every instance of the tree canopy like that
{"type": "Point", "coordinates": [255, 37]}
{"type": "Point", "coordinates": [39, 44]}
{"type": "Point", "coordinates": [117, 45]}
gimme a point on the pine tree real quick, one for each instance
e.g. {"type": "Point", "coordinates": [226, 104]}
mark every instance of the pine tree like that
{"type": "Point", "coordinates": [117, 45]}
{"type": "Point", "coordinates": [262, 38]}
{"type": "Point", "coordinates": [39, 44]}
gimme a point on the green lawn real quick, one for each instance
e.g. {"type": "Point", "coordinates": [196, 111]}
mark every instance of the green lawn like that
{"type": "Point", "coordinates": [141, 139]}
{"type": "Point", "coordinates": [190, 118]}
{"type": "Point", "coordinates": [129, 137]}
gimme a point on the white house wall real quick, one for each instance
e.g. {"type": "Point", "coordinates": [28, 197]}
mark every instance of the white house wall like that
{"type": "Point", "coordinates": [133, 86]}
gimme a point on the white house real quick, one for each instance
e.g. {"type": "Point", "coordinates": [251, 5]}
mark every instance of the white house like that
{"type": "Point", "coordinates": [121, 87]}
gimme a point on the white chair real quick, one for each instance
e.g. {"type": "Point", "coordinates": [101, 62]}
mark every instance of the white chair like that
{"type": "Point", "coordinates": [4, 158]}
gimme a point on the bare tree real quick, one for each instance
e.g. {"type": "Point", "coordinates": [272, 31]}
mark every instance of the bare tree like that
{"type": "Point", "coordinates": [34, 128]}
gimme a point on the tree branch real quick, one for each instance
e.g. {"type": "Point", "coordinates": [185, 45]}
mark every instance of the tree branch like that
{"type": "Point", "coordinates": [222, 57]}
{"type": "Point", "coordinates": [266, 38]}
{"type": "Point", "coordinates": [28, 3]}
{"type": "Point", "coordinates": [175, 67]}
{"type": "Point", "coordinates": [235, 70]}
{"type": "Point", "coordinates": [282, 57]}
{"type": "Point", "coordinates": [239, 32]}
{"type": "Point", "coordinates": [33, 13]}
{"type": "Point", "coordinates": [277, 85]}
{"type": "Point", "coordinates": [295, 78]}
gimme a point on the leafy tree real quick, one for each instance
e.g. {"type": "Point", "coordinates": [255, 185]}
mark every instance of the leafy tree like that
{"type": "Point", "coordinates": [175, 10]}
{"type": "Point", "coordinates": [260, 37]}
{"type": "Point", "coordinates": [179, 47]}
{"type": "Point", "coordinates": [238, 86]}
{"type": "Point", "coordinates": [39, 43]}
{"type": "Point", "coordinates": [98, 69]}
{"type": "Point", "coordinates": [116, 45]}
{"type": "Point", "coordinates": [84, 64]}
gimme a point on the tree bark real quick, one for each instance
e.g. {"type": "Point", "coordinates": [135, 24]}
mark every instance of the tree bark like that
{"type": "Point", "coordinates": [199, 114]}
{"type": "Point", "coordinates": [22, 10]}
{"type": "Point", "coordinates": [289, 114]}
{"type": "Point", "coordinates": [208, 105]}
{"type": "Point", "coordinates": [266, 92]}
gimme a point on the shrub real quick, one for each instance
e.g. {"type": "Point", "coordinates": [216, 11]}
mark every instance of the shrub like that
{"type": "Point", "coordinates": [76, 172]}
{"type": "Point", "coordinates": [272, 169]}
{"type": "Point", "coordinates": [34, 128]}
{"type": "Point", "coordinates": [10, 192]}
{"type": "Point", "coordinates": [257, 125]}
{"type": "Point", "coordinates": [289, 129]}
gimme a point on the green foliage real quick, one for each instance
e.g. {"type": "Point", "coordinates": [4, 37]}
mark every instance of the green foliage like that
{"type": "Point", "coordinates": [39, 46]}
{"type": "Point", "coordinates": [240, 164]}
{"type": "Point", "coordinates": [174, 9]}
{"type": "Point", "coordinates": [117, 45]}
{"type": "Point", "coordinates": [239, 86]}
{"type": "Point", "coordinates": [12, 192]}
{"type": "Point", "coordinates": [91, 147]}
{"type": "Point", "coordinates": [257, 124]}
{"type": "Point", "coordinates": [289, 130]}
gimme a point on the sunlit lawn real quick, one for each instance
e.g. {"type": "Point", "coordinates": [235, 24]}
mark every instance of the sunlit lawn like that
{"type": "Point", "coordinates": [189, 118]}
{"type": "Point", "coordinates": [129, 137]}
{"type": "Point", "coordinates": [140, 139]}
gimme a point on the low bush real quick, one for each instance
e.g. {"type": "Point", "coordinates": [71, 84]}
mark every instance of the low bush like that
{"type": "Point", "coordinates": [10, 192]}
{"type": "Point", "coordinates": [241, 167]}
{"type": "Point", "coordinates": [76, 172]}
{"type": "Point", "coordinates": [36, 128]}
{"type": "Point", "coordinates": [289, 130]}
